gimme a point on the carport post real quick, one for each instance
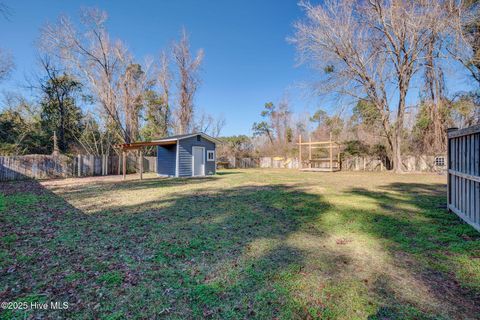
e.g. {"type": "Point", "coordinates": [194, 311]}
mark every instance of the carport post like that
{"type": "Point", "coordinates": [141, 163]}
{"type": "Point", "coordinates": [300, 151]}
{"type": "Point", "coordinates": [310, 151]}
{"type": "Point", "coordinates": [331, 153]}
{"type": "Point", "coordinates": [124, 164]}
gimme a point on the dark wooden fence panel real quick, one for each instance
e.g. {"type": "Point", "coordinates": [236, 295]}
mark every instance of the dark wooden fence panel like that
{"type": "Point", "coordinates": [48, 167]}
{"type": "Point", "coordinates": [34, 166]}
{"type": "Point", "coordinates": [464, 174]}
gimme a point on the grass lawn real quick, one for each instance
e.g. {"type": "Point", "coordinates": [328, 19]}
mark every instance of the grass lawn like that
{"type": "Point", "coordinates": [244, 244]}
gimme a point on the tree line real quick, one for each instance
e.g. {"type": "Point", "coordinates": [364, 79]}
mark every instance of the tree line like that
{"type": "Point", "coordinates": [92, 93]}
{"type": "Point", "coordinates": [368, 56]}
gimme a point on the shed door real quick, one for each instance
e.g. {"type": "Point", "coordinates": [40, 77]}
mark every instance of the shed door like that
{"type": "Point", "coordinates": [198, 161]}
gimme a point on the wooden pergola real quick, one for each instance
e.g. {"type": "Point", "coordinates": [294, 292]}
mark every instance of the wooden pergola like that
{"type": "Point", "coordinates": [139, 147]}
{"type": "Point", "coordinates": [330, 163]}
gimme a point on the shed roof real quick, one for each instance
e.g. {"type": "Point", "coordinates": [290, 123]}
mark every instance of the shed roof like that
{"type": "Point", "coordinates": [141, 144]}
{"type": "Point", "coordinates": [164, 141]}
{"type": "Point", "coordinates": [185, 136]}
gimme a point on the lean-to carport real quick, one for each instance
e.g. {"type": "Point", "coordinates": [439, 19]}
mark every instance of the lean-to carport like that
{"type": "Point", "coordinates": [139, 147]}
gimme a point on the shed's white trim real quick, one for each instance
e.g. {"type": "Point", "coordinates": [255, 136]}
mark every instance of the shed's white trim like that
{"type": "Point", "coordinates": [165, 140]}
{"type": "Point", "coordinates": [211, 152]}
{"type": "Point", "coordinates": [193, 161]}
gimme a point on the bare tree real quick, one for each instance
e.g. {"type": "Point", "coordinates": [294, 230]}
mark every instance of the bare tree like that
{"type": "Point", "coordinates": [165, 81]}
{"type": "Point", "coordinates": [434, 107]}
{"type": "Point", "coordinates": [188, 82]}
{"type": "Point", "coordinates": [5, 11]}
{"type": "Point", "coordinates": [134, 82]}
{"type": "Point", "coordinates": [208, 124]}
{"type": "Point", "coordinates": [465, 47]}
{"type": "Point", "coordinates": [6, 65]}
{"type": "Point", "coordinates": [106, 66]}
{"type": "Point", "coordinates": [6, 60]}
{"type": "Point", "coordinates": [370, 50]}
{"type": "Point", "coordinates": [217, 126]}
{"type": "Point", "coordinates": [94, 139]}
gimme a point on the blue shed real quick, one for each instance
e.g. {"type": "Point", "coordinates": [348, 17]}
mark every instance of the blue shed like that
{"type": "Point", "coordinates": [187, 155]}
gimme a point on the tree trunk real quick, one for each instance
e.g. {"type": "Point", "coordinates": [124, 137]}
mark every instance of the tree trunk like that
{"type": "Point", "coordinates": [397, 141]}
{"type": "Point", "coordinates": [397, 152]}
{"type": "Point", "coordinates": [63, 142]}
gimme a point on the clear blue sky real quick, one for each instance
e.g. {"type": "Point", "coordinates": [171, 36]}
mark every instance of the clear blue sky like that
{"type": "Point", "coordinates": [247, 59]}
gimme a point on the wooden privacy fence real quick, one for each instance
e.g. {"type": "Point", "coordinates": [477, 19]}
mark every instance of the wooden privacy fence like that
{"type": "Point", "coordinates": [48, 167]}
{"type": "Point", "coordinates": [464, 174]}
{"type": "Point", "coordinates": [35, 166]}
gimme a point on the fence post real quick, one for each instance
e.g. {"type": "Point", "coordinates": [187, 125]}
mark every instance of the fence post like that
{"type": "Point", "coordinates": [124, 164]}
{"type": "Point", "coordinates": [310, 152]}
{"type": "Point", "coordinates": [141, 163]}
{"type": "Point", "coordinates": [449, 166]}
{"type": "Point", "coordinates": [79, 166]}
{"type": "Point", "coordinates": [300, 151]}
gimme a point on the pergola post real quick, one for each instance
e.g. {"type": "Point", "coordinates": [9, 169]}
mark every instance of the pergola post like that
{"type": "Point", "coordinates": [140, 158]}
{"type": "Point", "coordinates": [300, 151]}
{"type": "Point", "coordinates": [331, 153]}
{"type": "Point", "coordinates": [310, 152]}
{"type": "Point", "coordinates": [119, 165]}
{"type": "Point", "coordinates": [137, 150]}
{"type": "Point", "coordinates": [79, 165]}
{"type": "Point", "coordinates": [338, 158]}
{"type": "Point", "coordinates": [124, 164]}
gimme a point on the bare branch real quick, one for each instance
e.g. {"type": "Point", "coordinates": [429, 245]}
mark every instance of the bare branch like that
{"type": "Point", "coordinates": [188, 82]}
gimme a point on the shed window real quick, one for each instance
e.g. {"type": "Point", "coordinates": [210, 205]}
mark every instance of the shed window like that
{"type": "Point", "coordinates": [210, 155]}
{"type": "Point", "coordinates": [198, 138]}
{"type": "Point", "coordinates": [440, 161]}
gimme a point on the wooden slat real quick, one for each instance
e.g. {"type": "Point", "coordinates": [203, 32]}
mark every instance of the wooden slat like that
{"type": "Point", "coordinates": [317, 143]}
{"type": "Point", "coordinates": [464, 175]}
{"type": "Point", "coordinates": [326, 147]}
{"type": "Point", "coordinates": [477, 203]}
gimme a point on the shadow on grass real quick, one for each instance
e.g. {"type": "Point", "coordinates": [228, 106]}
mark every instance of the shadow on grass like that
{"type": "Point", "coordinates": [413, 221]}
{"type": "Point", "coordinates": [225, 172]}
{"type": "Point", "coordinates": [414, 217]}
{"type": "Point", "coordinates": [207, 255]}
{"type": "Point", "coordinates": [215, 253]}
